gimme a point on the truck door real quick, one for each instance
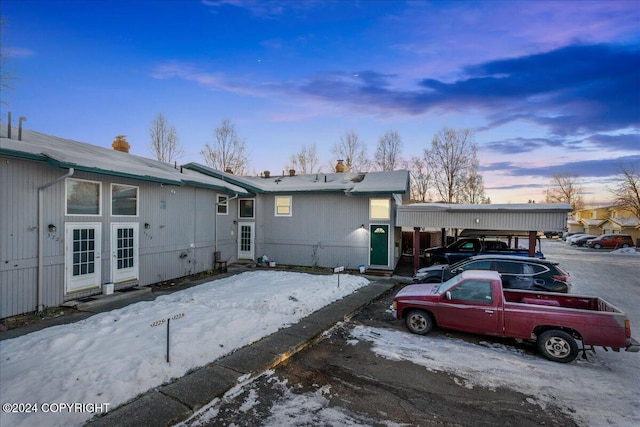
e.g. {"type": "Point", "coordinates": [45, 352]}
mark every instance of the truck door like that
{"type": "Point", "coordinates": [471, 308]}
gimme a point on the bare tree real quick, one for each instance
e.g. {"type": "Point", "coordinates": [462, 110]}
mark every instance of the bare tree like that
{"type": "Point", "coordinates": [306, 160]}
{"type": "Point", "coordinates": [228, 151]}
{"type": "Point", "coordinates": [452, 156]}
{"type": "Point", "coordinates": [472, 190]}
{"type": "Point", "coordinates": [421, 179]}
{"type": "Point", "coordinates": [626, 193]}
{"type": "Point", "coordinates": [5, 76]}
{"type": "Point", "coordinates": [353, 151]}
{"type": "Point", "coordinates": [387, 156]}
{"type": "Point", "coordinates": [564, 188]}
{"type": "Point", "coordinates": [164, 142]}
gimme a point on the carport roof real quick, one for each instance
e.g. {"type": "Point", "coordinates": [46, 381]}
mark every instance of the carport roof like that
{"type": "Point", "coordinates": [517, 217]}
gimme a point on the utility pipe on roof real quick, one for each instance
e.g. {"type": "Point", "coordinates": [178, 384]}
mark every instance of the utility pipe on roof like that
{"type": "Point", "coordinates": [41, 189]}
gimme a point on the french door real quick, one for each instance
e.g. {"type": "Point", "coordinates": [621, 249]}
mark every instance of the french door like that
{"type": "Point", "coordinates": [82, 256]}
{"type": "Point", "coordinates": [124, 252]}
{"type": "Point", "coordinates": [246, 240]}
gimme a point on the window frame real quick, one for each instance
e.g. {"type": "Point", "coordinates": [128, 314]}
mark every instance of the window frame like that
{"type": "Point", "coordinates": [220, 204]}
{"type": "Point", "coordinates": [66, 197]}
{"type": "Point", "coordinates": [137, 188]}
{"type": "Point", "coordinates": [253, 208]}
{"type": "Point", "coordinates": [275, 206]}
{"type": "Point", "coordinates": [371, 209]}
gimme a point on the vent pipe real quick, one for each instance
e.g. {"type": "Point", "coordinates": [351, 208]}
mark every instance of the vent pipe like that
{"type": "Point", "coordinates": [9, 126]}
{"type": "Point", "coordinates": [20, 120]}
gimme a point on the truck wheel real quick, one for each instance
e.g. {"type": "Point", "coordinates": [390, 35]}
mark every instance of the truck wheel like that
{"type": "Point", "coordinates": [419, 322]}
{"type": "Point", "coordinates": [558, 346]}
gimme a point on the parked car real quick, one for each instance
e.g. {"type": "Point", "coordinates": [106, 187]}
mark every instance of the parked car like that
{"type": "Point", "coordinates": [611, 241]}
{"type": "Point", "coordinates": [517, 272]}
{"type": "Point", "coordinates": [573, 233]}
{"type": "Point", "coordinates": [575, 236]}
{"type": "Point", "coordinates": [468, 247]}
{"type": "Point", "coordinates": [475, 301]}
{"type": "Point", "coordinates": [580, 241]}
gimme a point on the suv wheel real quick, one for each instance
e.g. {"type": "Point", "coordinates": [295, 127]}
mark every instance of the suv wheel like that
{"type": "Point", "coordinates": [597, 246]}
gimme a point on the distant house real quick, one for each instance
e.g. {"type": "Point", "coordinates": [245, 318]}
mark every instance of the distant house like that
{"type": "Point", "coordinates": [324, 219]}
{"type": "Point", "coordinates": [75, 216]}
{"type": "Point", "coordinates": [607, 220]}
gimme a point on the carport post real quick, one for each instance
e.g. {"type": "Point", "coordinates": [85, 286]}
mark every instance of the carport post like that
{"type": "Point", "coordinates": [416, 249]}
{"type": "Point", "coordinates": [532, 243]}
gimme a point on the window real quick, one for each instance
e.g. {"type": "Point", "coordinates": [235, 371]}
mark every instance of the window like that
{"type": "Point", "coordinates": [222, 205]}
{"type": "Point", "coordinates": [283, 206]}
{"type": "Point", "coordinates": [507, 267]}
{"type": "Point", "coordinates": [477, 265]}
{"type": "Point", "coordinates": [473, 291]}
{"type": "Point", "coordinates": [82, 197]}
{"type": "Point", "coordinates": [246, 208]}
{"type": "Point", "coordinates": [379, 209]}
{"type": "Point", "coordinates": [124, 200]}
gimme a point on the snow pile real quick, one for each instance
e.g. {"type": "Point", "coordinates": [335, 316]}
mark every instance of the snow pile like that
{"type": "Point", "coordinates": [114, 356]}
{"type": "Point", "coordinates": [625, 251]}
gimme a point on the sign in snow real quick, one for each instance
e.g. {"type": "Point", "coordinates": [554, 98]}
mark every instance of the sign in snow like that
{"type": "Point", "coordinates": [338, 269]}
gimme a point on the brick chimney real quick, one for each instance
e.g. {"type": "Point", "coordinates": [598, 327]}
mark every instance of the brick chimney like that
{"type": "Point", "coordinates": [121, 144]}
{"type": "Point", "coordinates": [340, 167]}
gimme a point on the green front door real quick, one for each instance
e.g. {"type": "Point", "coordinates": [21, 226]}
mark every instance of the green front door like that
{"type": "Point", "coordinates": [379, 244]}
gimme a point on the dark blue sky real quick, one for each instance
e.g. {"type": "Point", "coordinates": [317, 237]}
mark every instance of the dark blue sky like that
{"type": "Point", "coordinates": [548, 86]}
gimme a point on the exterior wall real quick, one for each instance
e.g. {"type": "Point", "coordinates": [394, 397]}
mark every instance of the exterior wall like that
{"type": "Point", "coordinates": [180, 220]}
{"type": "Point", "coordinates": [324, 230]}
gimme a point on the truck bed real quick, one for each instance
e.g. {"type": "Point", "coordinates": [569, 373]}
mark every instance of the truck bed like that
{"type": "Point", "coordinates": [579, 302]}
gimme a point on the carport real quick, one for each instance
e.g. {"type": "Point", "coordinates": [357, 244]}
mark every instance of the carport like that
{"type": "Point", "coordinates": [516, 218]}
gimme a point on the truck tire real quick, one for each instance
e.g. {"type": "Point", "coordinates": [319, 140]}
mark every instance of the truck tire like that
{"type": "Point", "coordinates": [557, 346]}
{"type": "Point", "coordinates": [419, 322]}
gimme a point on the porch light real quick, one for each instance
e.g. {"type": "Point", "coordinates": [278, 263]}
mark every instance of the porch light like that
{"type": "Point", "coordinates": [52, 228]}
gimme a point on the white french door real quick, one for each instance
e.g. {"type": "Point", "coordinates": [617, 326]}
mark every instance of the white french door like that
{"type": "Point", "coordinates": [82, 256]}
{"type": "Point", "coordinates": [124, 252]}
{"type": "Point", "coordinates": [246, 240]}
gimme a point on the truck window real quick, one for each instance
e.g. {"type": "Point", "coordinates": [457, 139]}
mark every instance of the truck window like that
{"type": "Point", "coordinates": [473, 291]}
{"type": "Point", "coordinates": [468, 247]}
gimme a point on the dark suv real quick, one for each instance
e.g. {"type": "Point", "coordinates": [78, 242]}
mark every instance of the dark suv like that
{"type": "Point", "coordinates": [611, 241]}
{"type": "Point", "coordinates": [517, 272]}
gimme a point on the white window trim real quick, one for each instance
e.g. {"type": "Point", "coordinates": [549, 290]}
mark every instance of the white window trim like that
{"type": "Point", "coordinates": [240, 209]}
{"type": "Point", "coordinates": [388, 218]}
{"type": "Point", "coordinates": [225, 204]}
{"type": "Point", "coordinates": [66, 197]}
{"type": "Point", "coordinates": [275, 205]}
{"type": "Point", "coordinates": [137, 200]}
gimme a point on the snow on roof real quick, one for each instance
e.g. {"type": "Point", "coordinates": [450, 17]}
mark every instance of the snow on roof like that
{"type": "Point", "coordinates": [351, 183]}
{"type": "Point", "coordinates": [67, 153]}
{"type": "Point", "coordinates": [625, 222]}
{"type": "Point", "coordinates": [592, 222]}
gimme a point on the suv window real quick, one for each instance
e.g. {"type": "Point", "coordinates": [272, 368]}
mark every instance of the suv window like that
{"type": "Point", "coordinates": [508, 267]}
{"type": "Point", "coordinates": [535, 269]}
{"type": "Point", "coordinates": [477, 265]}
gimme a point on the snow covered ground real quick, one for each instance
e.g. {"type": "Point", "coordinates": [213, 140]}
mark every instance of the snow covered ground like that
{"type": "Point", "coordinates": [112, 357]}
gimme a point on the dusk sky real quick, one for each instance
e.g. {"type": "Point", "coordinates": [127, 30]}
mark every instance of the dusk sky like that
{"type": "Point", "coordinates": [548, 86]}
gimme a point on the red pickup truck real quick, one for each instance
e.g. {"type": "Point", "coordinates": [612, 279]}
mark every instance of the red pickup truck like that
{"type": "Point", "coordinates": [475, 302]}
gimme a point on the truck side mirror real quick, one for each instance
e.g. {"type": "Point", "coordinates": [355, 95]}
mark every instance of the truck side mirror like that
{"type": "Point", "coordinates": [447, 295]}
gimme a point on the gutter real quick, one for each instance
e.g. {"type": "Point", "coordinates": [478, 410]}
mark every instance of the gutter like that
{"type": "Point", "coordinates": [40, 305]}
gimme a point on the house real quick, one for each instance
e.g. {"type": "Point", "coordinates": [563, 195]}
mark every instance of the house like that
{"type": "Point", "coordinates": [606, 220]}
{"type": "Point", "coordinates": [76, 216]}
{"type": "Point", "coordinates": [324, 219]}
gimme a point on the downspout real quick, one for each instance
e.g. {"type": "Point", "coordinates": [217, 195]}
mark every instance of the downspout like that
{"type": "Point", "coordinates": [41, 189]}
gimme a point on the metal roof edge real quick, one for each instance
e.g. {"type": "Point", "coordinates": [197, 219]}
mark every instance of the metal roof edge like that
{"type": "Point", "coordinates": [222, 176]}
{"type": "Point", "coordinates": [54, 162]}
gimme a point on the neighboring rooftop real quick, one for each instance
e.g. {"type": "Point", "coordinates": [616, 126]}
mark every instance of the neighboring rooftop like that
{"type": "Point", "coordinates": [350, 183]}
